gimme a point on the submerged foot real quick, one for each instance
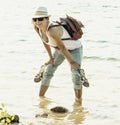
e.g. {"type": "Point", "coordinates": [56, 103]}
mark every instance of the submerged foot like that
{"type": "Point", "coordinates": [78, 102]}
{"type": "Point", "coordinates": [44, 102]}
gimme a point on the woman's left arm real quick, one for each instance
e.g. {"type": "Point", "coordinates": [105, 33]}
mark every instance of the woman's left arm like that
{"type": "Point", "coordinates": [55, 35]}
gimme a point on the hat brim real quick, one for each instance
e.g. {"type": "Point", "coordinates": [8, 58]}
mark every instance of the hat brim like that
{"type": "Point", "coordinates": [40, 16]}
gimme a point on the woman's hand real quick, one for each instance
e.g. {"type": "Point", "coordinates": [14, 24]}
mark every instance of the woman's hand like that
{"type": "Point", "coordinates": [74, 65]}
{"type": "Point", "coordinates": [50, 61]}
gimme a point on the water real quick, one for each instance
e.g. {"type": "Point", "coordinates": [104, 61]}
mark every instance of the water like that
{"type": "Point", "coordinates": [21, 55]}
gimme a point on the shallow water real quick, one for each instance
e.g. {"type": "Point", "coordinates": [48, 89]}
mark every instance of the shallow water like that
{"type": "Point", "coordinates": [22, 54]}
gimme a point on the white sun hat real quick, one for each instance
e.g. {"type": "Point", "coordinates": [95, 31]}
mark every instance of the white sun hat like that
{"type": "Point", "coordinates": [40, 12]}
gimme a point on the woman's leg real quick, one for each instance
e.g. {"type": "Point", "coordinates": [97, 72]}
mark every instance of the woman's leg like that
{"type": "Point", "coordinates": [77, 56]}
{"type": "Point", "coordinates": [49, 72]}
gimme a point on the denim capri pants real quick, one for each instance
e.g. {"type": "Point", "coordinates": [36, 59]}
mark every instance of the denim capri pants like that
{"type": "Point", "coordinates": [58, 59]}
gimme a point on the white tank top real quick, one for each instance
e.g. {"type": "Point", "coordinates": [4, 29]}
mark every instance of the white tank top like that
{"type": "Point", "coordinates": [69, 44]}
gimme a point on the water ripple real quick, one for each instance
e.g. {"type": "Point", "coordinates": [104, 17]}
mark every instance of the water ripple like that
{"type": "Point", "coordinates": [100, 58]}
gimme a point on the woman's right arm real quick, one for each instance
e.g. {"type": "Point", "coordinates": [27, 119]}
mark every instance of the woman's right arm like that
{"type": "Point", "coordinates": [47, 47]}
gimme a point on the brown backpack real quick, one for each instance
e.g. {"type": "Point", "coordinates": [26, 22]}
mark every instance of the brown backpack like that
{"type": "Point", "coordinates": [72, 25]}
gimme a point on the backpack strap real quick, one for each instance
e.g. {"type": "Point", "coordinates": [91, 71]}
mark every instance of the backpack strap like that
{"type": "Point", "coordinates": [53, 25]}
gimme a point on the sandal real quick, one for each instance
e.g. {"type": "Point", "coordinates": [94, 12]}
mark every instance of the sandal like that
{"type": "Point", "coordinates": [83, 78]}
{"type": "Point", "coordinates": [39, 76]}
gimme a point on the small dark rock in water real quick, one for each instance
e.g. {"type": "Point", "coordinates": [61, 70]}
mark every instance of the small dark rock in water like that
{"type": "Point", "coordinates": [44, 115]}
{"type": "Point", "coordinates": [59, 109]}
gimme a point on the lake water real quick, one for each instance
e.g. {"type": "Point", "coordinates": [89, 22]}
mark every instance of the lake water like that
{"type": "Point", "coordinates": [22, 54]}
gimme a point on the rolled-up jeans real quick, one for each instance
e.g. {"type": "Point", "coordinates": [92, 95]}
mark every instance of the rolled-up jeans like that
{"type": "Point", "coordinates": [58, 59]}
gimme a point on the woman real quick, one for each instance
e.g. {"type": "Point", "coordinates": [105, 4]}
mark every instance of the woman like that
{"type": "Point", "coordinates": [64, 49]}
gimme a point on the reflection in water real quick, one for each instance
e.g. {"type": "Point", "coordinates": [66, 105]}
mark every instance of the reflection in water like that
{"type": "Point", "coordinates": [74, 117]}
{"type": "Point", "coordinates": [77, 116]}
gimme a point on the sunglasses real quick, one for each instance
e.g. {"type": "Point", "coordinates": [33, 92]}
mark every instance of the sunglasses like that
{"type": "Point", "coordinates": [39, 19]}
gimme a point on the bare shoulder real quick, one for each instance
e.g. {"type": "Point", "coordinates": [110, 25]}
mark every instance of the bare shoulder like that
{"type": "Point", "coordinates": [55, 31]}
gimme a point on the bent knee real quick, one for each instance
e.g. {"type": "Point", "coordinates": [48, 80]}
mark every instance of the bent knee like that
{"type": "Point", "coordinates": [76, 78]}
{"type": "Point", "coordinates": [77, 81]}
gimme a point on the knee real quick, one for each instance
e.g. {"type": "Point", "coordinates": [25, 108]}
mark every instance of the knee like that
{"type": "Point", "coordinates": [76, 78]}
{"type": "Point", "coordinates": [49, 70]}
{"type": "Point", "coordinates": [76, 81]}
{"type": "Point", "coordinates": [47, 74]}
